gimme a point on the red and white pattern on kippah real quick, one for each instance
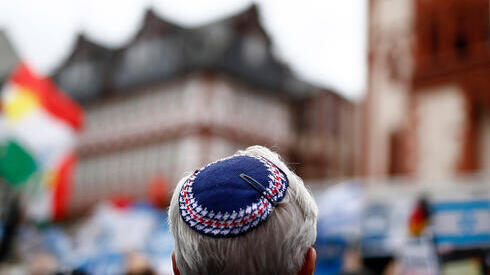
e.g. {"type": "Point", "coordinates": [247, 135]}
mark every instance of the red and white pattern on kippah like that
{"type": "Point", "coordinates": [230, 224]}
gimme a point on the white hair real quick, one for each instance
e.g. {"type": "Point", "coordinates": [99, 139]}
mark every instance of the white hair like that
{"type": "Point", "coordinates": [278, 246]}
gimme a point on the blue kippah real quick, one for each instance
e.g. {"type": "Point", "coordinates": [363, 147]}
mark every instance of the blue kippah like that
{"type": "Point", "coordinates": [231, 196]}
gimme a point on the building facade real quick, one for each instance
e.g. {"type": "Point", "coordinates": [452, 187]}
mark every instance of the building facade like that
{"type": "Point", "coordinates": [173, 99]}
{"type": "Point", "coordinates": [427, 111]}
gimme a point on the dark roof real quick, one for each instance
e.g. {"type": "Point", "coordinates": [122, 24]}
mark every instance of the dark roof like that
{"type": "Point", "coordinates": [160, 50]}
{"type": "Point", "coordinates": [8, 57]}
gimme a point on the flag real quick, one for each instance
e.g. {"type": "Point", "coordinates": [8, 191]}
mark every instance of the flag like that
{"type": "Point", "coordinates": [39, 124]}
{"type": "Point", "coordinates": [419, 219]}
{"type": "Point", "coordinates": [51, 201]}
{"type": "Point", "coordinates": [42, 92]}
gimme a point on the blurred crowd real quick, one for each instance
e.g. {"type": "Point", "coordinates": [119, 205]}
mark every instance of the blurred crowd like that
{"type": "Point", "coordinates": [119, 237]}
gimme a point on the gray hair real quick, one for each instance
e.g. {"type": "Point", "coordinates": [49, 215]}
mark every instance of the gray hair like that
{"type": "Point", "coordinates": [278, 246]}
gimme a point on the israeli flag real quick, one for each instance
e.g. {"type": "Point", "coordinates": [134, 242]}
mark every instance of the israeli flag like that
{"type": "Point", "coordinates": [462, 223]}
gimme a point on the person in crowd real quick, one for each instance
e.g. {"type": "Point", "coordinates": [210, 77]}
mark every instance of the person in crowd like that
{"type": "Point", "coordinates": [137, 264]}
{"type": "Point", "coordinates": [244, 214]}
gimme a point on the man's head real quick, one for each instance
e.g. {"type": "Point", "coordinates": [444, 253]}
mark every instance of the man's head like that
{"type": "Point", "coordinates": [273, 234]}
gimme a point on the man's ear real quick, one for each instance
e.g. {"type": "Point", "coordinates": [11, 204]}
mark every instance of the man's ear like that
{"type": "Point", "coordinates": [174, 265]}
{"type": "Point", "coordinates": [309, 262]}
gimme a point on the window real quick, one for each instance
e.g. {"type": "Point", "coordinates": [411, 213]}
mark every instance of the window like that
{"type": "Point", "coordinates": [461, 40]}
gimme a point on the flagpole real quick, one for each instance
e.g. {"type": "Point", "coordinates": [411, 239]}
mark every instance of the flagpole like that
{"type": "Point", "coordinates": [432, 239]}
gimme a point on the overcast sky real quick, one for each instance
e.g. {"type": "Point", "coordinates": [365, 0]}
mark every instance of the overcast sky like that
{"type": "Point", "coordinates": [323, 41]}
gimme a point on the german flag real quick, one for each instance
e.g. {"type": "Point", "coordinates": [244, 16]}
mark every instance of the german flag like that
{"type": "Point", "coordinates": [419, 219]}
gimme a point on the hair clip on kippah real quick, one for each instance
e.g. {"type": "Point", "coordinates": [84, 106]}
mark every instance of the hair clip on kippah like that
{"type": "Point", "coordinates": [259, 187]}
{"type": "Point", "coordinates": [214, 200]}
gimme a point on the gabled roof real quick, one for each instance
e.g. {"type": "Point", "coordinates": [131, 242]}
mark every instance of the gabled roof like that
{"type": "Point", "coordinates": [84, 49]}
{"type": "Point", "coordinates": [160, 50]}
{"type": "Point", "coordinates": [84, 74]}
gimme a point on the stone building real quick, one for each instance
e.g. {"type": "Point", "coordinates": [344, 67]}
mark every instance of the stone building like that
{"type": "Point", "coordinates": [173, 99]}
{"type": "Point", "coordinates": [427, 111]}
